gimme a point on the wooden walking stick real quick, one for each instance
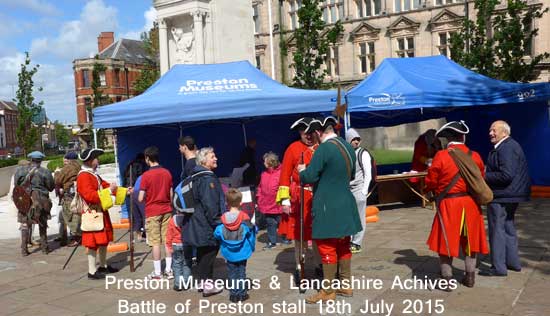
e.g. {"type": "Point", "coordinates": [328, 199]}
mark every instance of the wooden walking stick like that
{"type": "Point", "coordinates": [69, 259]}
{"type": "Point", "coordinates": [132, 268]}
{"type": "Point", "coordinates": [302, 253]}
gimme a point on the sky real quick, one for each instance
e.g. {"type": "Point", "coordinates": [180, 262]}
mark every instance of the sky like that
{"type": "Point", "coordinates": [55, 32]}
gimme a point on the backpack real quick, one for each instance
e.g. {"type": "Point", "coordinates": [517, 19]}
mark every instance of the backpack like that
{"type": "Point", "coordinates": [373, 170]}
{"type": "Point", "coordinates": [184, 201]}
{"type": "Point", "coordinates": [469, 171]}
{"type": "Point", "coordinates": [22, 194]}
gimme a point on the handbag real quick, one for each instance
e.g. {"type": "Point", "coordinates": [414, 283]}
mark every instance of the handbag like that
{"type": "Point", "coordinates": [92, 221]}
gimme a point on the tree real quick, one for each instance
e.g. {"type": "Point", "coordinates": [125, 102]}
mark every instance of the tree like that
{"type": "Point", "coordinates": [151, 73]}
{"type": "Point", "coordinates": [497, 43]}
{"type": "Point", "coordinates": [97, 95]}
{"type": "Point", "coordinates": [312, 45]}
{"type": "Point", "coordinates": [26, 132]}
{"type": "Point", "coordinates": [61, 134]}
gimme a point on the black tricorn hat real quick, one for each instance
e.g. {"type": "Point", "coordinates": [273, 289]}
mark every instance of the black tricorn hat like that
{"type": "Point", "coordinates": [453, 128]}
{"type": "Point", "coordinates": [301, 124]}
{"type": "Point", "coordinates": [320, 124]}
{"type": "Point", "coordinates": [90, 153]}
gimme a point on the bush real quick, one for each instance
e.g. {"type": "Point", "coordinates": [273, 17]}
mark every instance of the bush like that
{"type": "Point", "coordinates": [56, 163]}
{"type": "Point", "coordinates": [8, 162]}
{"type": "Point", "coordinates": [107, 158]}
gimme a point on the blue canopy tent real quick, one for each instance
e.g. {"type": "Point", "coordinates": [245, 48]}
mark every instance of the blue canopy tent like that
{"type": "Point", "coordinates": [404, 90]}
{"type": "Point", "coordinates": [219, 105]}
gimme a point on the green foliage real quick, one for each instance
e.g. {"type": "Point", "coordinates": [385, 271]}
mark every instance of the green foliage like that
{"type": "Point", "coordinates": [97, 90]}
{"type": "Point", "coordinates": [388, 157]}
{"type": "Point", "coordinates": [8, 162]}
{"type": "Point", "coordinates": [312, 45]}
{"type": "Point", "coordinates": [62, 134]}
{"type": "Point", "coordinates": [151, 74]}
{"type": "Point", "coordinates": [55, 163]}
{"type": "Point", "coordinates": [107, 158]}
{"type": "Point", "coordinates": [496, 44]}
{"type": "Point", "coordinates": [26, 133]}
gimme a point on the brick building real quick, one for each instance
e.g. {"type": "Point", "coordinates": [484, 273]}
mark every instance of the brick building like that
{"type": "Point", "coordinates": [8, 110]}
{"type": "Point", "coordinates": [123, 60]}
{"type": "Point", "coordinates": [374, 30]}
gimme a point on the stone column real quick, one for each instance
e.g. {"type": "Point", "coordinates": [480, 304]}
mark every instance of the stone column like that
{"type": "Point", "coordinates": [163, 47]}
{"type": "Point", "coordinates": [209, 40]}
{"type": "Point", "coordinates": [199, 36]}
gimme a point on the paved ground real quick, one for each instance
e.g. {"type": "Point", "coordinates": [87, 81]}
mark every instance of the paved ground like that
{"type": "Point", "coordinates": [395, 246]}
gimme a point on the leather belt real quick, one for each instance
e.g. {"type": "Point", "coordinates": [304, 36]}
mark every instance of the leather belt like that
{"type": "Point", "coordinates": [453, 195]}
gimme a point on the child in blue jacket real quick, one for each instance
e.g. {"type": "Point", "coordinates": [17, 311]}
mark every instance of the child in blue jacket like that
{"type": "Point", "coordinates": [237, 237]}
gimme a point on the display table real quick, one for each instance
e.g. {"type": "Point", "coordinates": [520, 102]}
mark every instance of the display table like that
{"type": "Point", "coordinates": [404, 178]}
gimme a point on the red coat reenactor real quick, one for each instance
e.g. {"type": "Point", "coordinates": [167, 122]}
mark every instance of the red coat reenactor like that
{"type": "Point", "coordinates": [459, 221]}
{"type": "Point", "coordinates": [288, 195]}
{"type": "Point", "coordinates": [88, 183]}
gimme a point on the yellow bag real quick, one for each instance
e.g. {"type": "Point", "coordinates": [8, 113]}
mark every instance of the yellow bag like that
{"type": "Point", "coordinates": [120, 195]}
{"type": "Point", "coordinates": [105, 197]}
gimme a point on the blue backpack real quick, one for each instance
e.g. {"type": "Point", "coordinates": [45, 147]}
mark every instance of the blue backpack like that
{"type": "Point", "coordinates": [184, 201]}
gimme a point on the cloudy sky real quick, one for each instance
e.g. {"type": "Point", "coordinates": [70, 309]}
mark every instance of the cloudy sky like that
{"type": "Point", "coordinates": [55, 32]}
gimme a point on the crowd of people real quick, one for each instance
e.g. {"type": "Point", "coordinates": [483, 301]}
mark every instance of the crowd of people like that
{"type": "Point", "coordinates": [315, 198]}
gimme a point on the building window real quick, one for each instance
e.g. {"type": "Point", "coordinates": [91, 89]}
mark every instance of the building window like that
{"type": "Point", "coordinates": [331, 62]}
{"type": "Point", "coordinates": [118, 98]}
{"type": "Point", "coordinates": [1, 140]}
{"type": "Point", "coordinates": [333, 10]}
{"type": "Point", "coordinates": [442, 2]}
{"type": "Point", "coordinates": [405, 47]}
{"type": "Point", "coordinates": [116, 78]}
{"type": "Point", "coordinates": [528, 44]}
{"type": "Point", "coordinates": [256, 18]}
{"type": "Point", "coordinates": [367, 62]}
{"type": "Point", "coordinates": [102, 80]}
{"type": "Point", "coordinates": [445, 43]}
{"type": "Point", "coordinates": [85, 78]}
{"type": "Point", "coordinates": [368, 7]}
{"type": "Point", "coordinates": [406, 5]}
{"type": "Point", "coordinates": [259, 62]}
{"type": "Point", "coordinates": [295, 5]}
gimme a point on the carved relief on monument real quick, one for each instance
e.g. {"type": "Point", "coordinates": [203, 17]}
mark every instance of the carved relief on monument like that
{"type": "Point", "coordinates": [182, 34]}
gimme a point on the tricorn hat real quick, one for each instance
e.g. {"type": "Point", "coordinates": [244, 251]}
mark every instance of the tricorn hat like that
{"type": "Point", "coordinates": [90, 153]}
{"type": "Point", "coordinates": [320, 124]}
{"type": "Point", "coordinates": [453, 128]}
{"type": "Point", "coordinates": [301, 124]}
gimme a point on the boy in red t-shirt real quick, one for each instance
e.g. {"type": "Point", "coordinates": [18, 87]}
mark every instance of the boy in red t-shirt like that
{"type": "Point", "coordinates": [156, 191]}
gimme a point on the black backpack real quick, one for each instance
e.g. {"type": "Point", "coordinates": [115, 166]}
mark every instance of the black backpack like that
{"type": "Point", "coordinates": [373, 170]}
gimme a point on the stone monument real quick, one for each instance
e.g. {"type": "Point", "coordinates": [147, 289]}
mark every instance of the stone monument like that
{"type": "Point", "coordinates": [204, 31]}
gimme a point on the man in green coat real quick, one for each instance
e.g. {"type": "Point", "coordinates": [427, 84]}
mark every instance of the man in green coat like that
{"type": "Point", "coordinates": [334, 211]}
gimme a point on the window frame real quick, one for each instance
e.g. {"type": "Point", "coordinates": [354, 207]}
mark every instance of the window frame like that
{"type": "Point", "coordinates": [406, 51]}
{"type": "Point", "coordinates": [86, 82]}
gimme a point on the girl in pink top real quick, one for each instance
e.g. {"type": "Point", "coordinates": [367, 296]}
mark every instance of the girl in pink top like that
{"type": "Point", "coordinates": [265, 195]}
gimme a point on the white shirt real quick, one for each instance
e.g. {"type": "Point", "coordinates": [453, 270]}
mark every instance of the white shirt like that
{"type": "Point", "coordinates": [496, 145]}
{"type": "Point", "coordinates": [329, 137]}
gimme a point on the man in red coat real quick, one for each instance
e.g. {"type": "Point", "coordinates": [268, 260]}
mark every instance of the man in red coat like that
{"type": "Point", "coordinates": [425, 148]}
{"type": "Point", "coordinates": [458, 222]}
{"type": "Point", "coordinates": [288, 195]}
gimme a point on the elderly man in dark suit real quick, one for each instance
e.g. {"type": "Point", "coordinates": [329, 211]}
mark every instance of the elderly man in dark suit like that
{"type": "Point", "coordinates": [508, 176]}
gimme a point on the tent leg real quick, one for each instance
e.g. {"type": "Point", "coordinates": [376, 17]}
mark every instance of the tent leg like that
{"type": "Point", "coordinates": [244, 134]}
{"type": "Point", "coordinates": [115, 144]}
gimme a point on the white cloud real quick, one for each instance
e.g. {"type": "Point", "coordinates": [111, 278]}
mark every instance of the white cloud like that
{"type": "Point", "coordinates": [78, 38]}
{"type": "Point", "coordinates": [150, 17]}
{"type": "Point", "coordinates": [38, 6]}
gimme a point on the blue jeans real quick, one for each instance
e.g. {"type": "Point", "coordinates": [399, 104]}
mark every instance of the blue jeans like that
{"type": "Point", "coordinates": [181, 264]}
{"type": "Point", "coordinates": [272, 221]}
{"type": "Point", "coordinates": [237, 271]}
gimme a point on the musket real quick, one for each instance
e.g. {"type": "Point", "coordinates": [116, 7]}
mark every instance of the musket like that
{"type": "Point", "coordinates": [132, 268]}
{"type": "Point", "coordinates": [69, 259]}
{"type": "Point", "coordinates": [302, 253]}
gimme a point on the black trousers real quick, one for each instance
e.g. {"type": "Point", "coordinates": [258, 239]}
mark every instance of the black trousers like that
{"type": "Point", "coordinates": [205, 261]}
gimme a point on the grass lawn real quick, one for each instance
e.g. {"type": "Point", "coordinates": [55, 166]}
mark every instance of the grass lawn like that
{"type": "Point", "coordinates": [388, 156]}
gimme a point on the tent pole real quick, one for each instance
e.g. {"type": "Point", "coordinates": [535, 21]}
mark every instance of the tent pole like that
{"type": "Point", "coordinates": [181, 156]}
{"type": "Point", "coordinates": [95, 138]}
{"type": "Point", "coordinates": [244, 134]}
{"type": "Point", "coordinates": [115, 144]}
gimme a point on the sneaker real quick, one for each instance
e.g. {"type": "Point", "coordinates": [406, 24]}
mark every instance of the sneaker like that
{"type": "Point", "coordinates": [154, 276]}
{"type": "Point", "coordinates": [169, 275]}
{"type": "Point", "coordinates": [96, 276]}
{"type": "Point", "coordinates": [108, 269]}
{"type": "Point", "coordinates": [355, 248]}
{"type": "Point", "coordinates": [209, 289]}
{"type": "Point", "coordinates": [285, 241]}
{"type": "Point", "coordinates": [269, 246]}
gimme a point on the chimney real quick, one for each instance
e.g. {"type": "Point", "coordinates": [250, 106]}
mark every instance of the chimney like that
{"type": "Point", "coordinates": [104, 40]}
